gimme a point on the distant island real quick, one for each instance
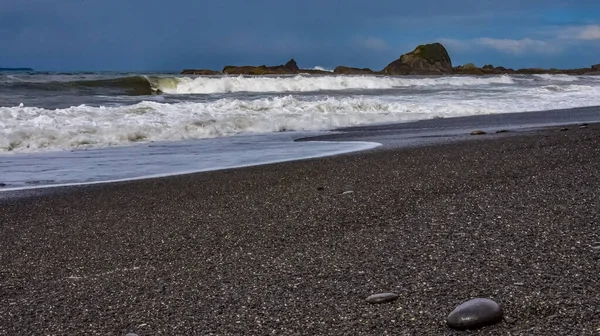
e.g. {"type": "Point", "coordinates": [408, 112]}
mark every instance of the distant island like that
{"type": "Point", "coordinates": [16, 69]}
{"type": "Point", "coordinates": [426, 59]}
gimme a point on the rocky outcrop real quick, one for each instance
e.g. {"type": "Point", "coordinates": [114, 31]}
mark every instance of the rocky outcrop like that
{"type": "Point", "coordinates": [468, 69]}
{"type": "Point", "coordinates": [289, 68]}
{"type": "Point", "coordinates": [488, 69]}
{"type": "Point", "coordinates": [426, 59]}
{"type": "Point", "coordinates": [343, 70]}
{"type": "Point", "coordinates": [200, 72]}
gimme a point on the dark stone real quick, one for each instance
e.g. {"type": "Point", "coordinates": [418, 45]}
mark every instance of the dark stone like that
{"type": "Point", "coordinates": [564, 129]}
{"type": "Point", "coordinates": [2, 184]}
{"type": "Point", "coordinates": [343, 70]}
{"type": "Point", "coordinates": [200, 72]}
{"type": "Point", "coordinates": [478, 132]}
{"type": "Point", "coordinates": [289, 68]}
{"type": "Point", "coordinates": [502, 131]}
{"type": "Point", "coordinates": [468, 69]}
{"type": "Point", "coordinates": [475, 314]}
{"type": "Point", "coordinates": [382, 298]}
{"type": "Point", "coordinates": [426, 59]}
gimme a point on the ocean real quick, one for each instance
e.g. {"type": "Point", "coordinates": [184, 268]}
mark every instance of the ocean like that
{"type": "Point", "coordinates": [74, 128]}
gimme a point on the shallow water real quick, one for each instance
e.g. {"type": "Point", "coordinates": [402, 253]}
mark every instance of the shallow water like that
{"type": "Point", "coordinates": [28, 171]}
{"type": "Point", "coordinates": [65, 128]}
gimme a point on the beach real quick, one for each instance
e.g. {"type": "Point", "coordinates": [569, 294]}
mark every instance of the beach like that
{"type": "Point", "coordinates": [295, 248]}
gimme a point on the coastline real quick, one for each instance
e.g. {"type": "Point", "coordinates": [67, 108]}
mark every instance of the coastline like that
{"type": "Point", "coordinates": [389, 135]}
{"type": "Point", "coordinates": [285, 247]}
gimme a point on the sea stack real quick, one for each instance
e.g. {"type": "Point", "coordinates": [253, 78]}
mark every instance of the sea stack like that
{"type": "Point", "coordinates": [426, 59]}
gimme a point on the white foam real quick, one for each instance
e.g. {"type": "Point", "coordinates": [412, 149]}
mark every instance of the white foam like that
{"type": "Point", "coordinates": [558, 78]}
{"type": "Point", "coordinates": [320, 68]}
{"type": "Point", "coordinates": [300, 83]}
{"type": "Point", "coordinates": [33, 129]}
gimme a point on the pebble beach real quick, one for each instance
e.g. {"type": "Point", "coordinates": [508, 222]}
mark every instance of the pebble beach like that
{"type": "Point", "coordinates": [296, 248]}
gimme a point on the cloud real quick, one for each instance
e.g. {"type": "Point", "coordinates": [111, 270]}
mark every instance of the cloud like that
{"type": "Point", "coordinates": [507, 46]}
{"type": "Point", "coordinates": [371, 43]}
{"type": "Point", "coordinates": [583, 33]}
{"type": "Point", "coordinates": [518, 47]}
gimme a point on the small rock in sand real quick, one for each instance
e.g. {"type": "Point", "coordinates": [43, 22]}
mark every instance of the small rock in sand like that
{"type": "Point", "coordinates": [502, 131]}
{"type": "Point", "coordinates": [475, 314]}
{"type": "Point", "coordinates": [564, 129]}
{"type": "Point", "coordinates": [478, 132]}
{"type": "Point", "coordinates": [382, 298]}
{"type": "Point", "coordinates": [347, 192]}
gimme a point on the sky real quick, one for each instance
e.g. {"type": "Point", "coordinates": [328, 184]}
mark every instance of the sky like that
{"type": "Point", "coordinates": [152, 35]}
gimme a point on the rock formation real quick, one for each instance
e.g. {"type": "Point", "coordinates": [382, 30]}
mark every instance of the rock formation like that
{"type": "Point", "coordinates": [200, 72]}
{"type": "Point", "coordinates": [427, 59]}
{"type": "Point", "coordinates": [343, 70]}
{"type": "Point", "coordinates": [468, 69]}
{"type": "Point", "coordinates": [289, 68]}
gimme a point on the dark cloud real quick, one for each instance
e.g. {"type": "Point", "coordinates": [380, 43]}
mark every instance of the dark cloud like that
{"type": "Point", "coordinates": [152, 34]}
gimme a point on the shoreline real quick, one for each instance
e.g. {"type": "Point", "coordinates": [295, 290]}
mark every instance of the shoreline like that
{"type": "Point", "coordinates": [286, 247]}
{"type": "Point", "coordinates": [397, 135]}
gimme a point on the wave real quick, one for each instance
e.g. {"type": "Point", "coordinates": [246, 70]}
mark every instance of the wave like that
{"type": "Point", "coordinates": [558, 78]}
{"type": "Point", "coordinates": [320, 68]}
{"type": "Point", "coordinates": [131, 85]}
{"type": "Point", "coordinates": [567, 88]}
{"type": "Point", "coordinates": [33, 129]}
{"type": "Point", "coordinates": [148, 85]}
{"type": "Point", "coordinates": [301, 83]}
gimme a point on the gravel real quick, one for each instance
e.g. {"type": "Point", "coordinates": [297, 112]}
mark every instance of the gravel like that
{"type": "Point", "coordinates": [280, 249]}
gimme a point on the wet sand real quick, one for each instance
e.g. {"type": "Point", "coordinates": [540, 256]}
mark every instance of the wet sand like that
{"type": "Point", "coordinates": [295, 248]}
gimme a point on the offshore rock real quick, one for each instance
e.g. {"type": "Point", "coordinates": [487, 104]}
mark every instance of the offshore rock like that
{"type": "Point", "coordinates": [426, 59]}
{"type": "Point", "coordinates": [200, 72]}
{"type": "Point", "coordinates": [475, 314]}
{"type": "Point", "coordinates": [290, 68]}
{"type": "Point", "coordinates": [343, 70]}
{"type": "Point", "coordinates": [468, 69]}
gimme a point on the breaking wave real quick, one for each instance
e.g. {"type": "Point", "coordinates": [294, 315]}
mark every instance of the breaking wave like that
{"type": "Point", "coordinates": [33, 129]}
{"type": "Point", "coordinates": [131, 85]}
{"type": "Point", "coordinates": [147, 85]}
{"type": "Point", "coordinates": [300, 83]}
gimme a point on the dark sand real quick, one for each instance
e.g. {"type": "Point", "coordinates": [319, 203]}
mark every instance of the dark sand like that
{"type": "Point", "coordinates": [280, 249]}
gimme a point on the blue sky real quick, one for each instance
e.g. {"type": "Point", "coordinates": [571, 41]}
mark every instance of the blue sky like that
{"type": "Point", "coordinates": [70, 35]}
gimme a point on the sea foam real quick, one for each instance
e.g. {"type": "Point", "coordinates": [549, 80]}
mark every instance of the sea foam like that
{"type": "Point", "coordinates": [300, 83]}
{"type": "Point", "coordinates": [34, 129]}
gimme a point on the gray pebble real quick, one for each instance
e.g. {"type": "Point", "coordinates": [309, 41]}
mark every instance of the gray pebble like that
{"type": "Point", "coordinates": [478, 132]}
{"type": "Point", "coordinates": [475, 314]}
{"type": "Point", "coordinates": [131, 334]}
{"type": "Point", "coordinates": [382, 298]}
